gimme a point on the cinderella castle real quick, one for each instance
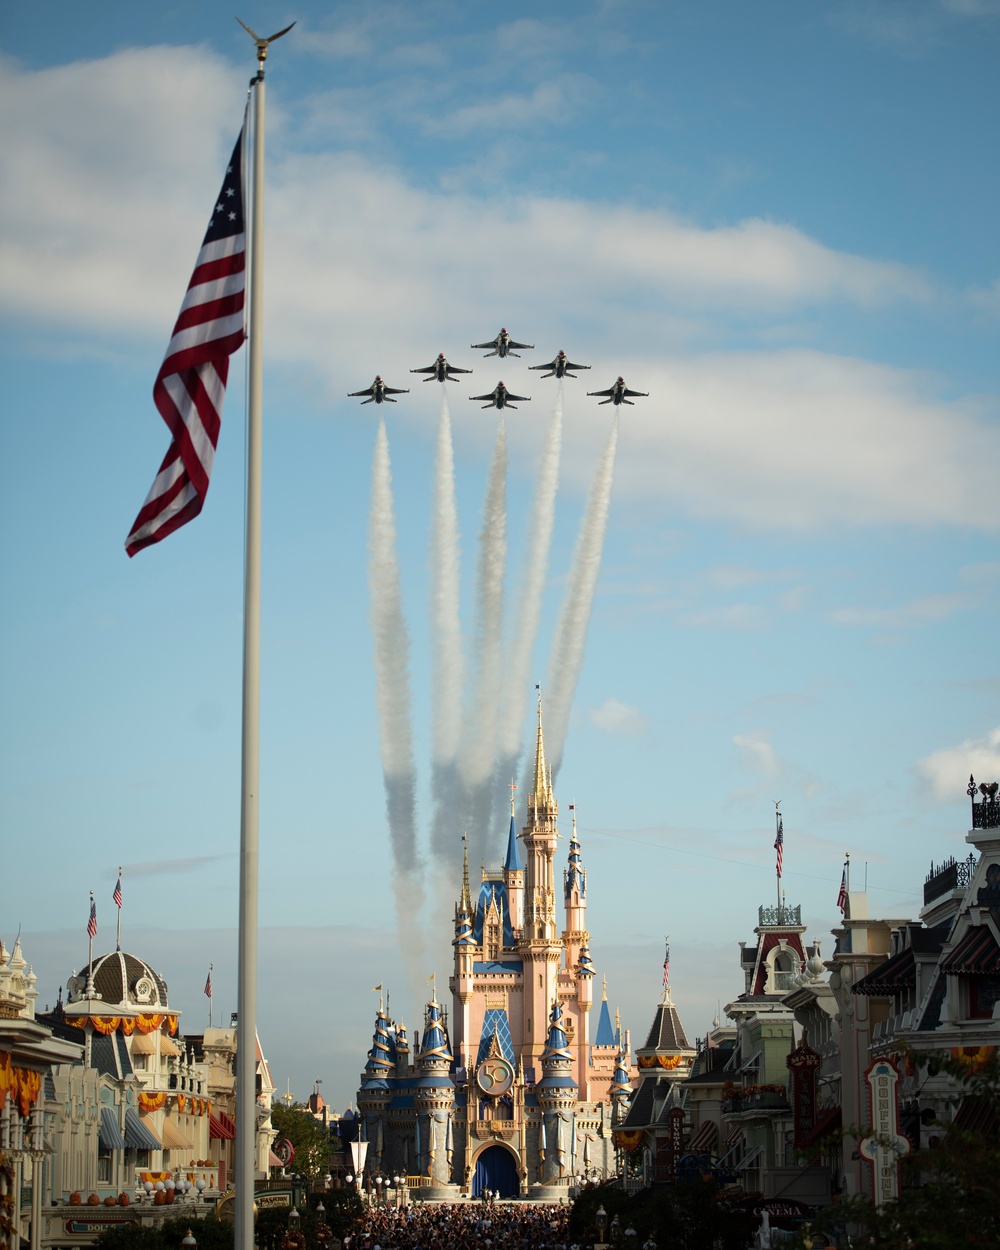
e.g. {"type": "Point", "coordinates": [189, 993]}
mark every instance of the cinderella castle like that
{"type": "Point", "coordinates": [511, 1093]}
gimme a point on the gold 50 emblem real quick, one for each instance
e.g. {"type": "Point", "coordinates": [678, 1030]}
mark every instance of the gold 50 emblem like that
{"type": "Point", "coordinates": [495, 1077]}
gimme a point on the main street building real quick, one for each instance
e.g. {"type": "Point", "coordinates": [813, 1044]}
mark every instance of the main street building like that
{"type": "Point", "coordinates": [511, 1094]}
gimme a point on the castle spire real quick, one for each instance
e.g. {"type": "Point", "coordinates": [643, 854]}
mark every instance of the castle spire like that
{"type": "Point", "coordinates": [512, 863]}
{"type": "Point", "coordinates": [541, 788]}
{"type": "Point", "coordinates": [466, 903]}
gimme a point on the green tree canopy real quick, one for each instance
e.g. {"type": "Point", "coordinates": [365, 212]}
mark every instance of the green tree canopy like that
{"type": "Point", "coordinates": [307, 1135]}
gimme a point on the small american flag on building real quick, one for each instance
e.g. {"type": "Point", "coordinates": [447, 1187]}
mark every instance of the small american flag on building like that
{"type": "Point", "coordinates": [779, 844]}
{"type": "Point", "coordinates": [117, 896]}
{"type": "Point", "coordinates": [842, 896]}
{"type": "Point", "coordinates": [191, 384]}
{"type": "Point", "coordinates": [92, 921]}
{"type": "Point", "coordinates": [208, 984]}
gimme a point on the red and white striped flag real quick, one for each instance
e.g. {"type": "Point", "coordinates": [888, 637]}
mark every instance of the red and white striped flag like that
{"type": "Point", "coordinates": [208, 984]}
{"type": "Point", "coordinates": [191, 384]}
{"type": "Point", "coordinates": [92, 921]}
{"type": "Point", "coordinates": [779, 844]}
{"type": "Point", "coordinates": [842, 896]}
{"type": "Point", "coordinates": [117, 896]}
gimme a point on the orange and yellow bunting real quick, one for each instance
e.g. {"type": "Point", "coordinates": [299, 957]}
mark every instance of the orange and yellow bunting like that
{"type": "Point", "coordinates": [659, 1061]}
{"type": "Point", "coordinates": [152, 1102]}
{"type": "Point", "coordinates": [628, 1141]}
{"type": "Point", "coordinates": [153, 1177]}
{"type": "Point", "coordinates": [972, 1058]}
{"type": "Point", "coordinates": [182, 1103]}
{"type": "Point", "coordinates": [21, 1085]}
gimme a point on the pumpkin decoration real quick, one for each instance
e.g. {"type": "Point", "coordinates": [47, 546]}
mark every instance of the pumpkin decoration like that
{"type": "Point", "coordinates": [110, 1201]}
{"type": "Point", "coordinates": [75, 1199]}
{"type": "Point", "coordinates": [168, 1196]}
{"type": "Point", "coordinates": [124, 1200]}
{"type": "Point", "coordinates": [160, 1198]}
{"type": "Point", "coordinates": [93, 1201]}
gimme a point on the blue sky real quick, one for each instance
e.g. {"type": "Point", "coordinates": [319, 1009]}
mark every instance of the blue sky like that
{"type": "Point", "coordinates": [779, 222]}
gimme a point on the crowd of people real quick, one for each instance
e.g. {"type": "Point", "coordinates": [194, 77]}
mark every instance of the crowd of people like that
{"type": "Point", "coordinates": [463, 1226]}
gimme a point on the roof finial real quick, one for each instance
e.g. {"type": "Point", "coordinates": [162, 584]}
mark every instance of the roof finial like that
{"type": "Point", "coordinates": [604, 991]}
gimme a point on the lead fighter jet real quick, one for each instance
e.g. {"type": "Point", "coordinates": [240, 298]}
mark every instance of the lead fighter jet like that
{"type": "Point", "coordinates": [618, 393]}
{"type": "Point", "coordinates": [560, 367]}
{"type": "Point", "coordinates": [503, 345]}
{"type": "Point", "coordinates": [440, 370]}
{"type": "Point", "coordinates": [377, 393]}
{"type": "Point", "coordinates": [500, 397]}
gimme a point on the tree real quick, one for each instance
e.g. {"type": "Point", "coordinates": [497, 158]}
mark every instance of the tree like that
{"type": "Point", "coordinates": [309, 1138]}
{"type": "Point", "coordinates": [210, 1234]}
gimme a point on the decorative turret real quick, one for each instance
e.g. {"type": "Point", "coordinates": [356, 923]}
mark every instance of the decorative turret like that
{"type": "Point", "coordinates": [434, 1100]}
{"type": "Point", "coordinates": [513, 872]}
{"type": "Point", "coordinates": [620, 1090]}
{"type": "Point", "coordinates": [463, 912]}
{"type": "Point", "coordinates": [585, 965]}
{"type": "Point", "coordinates": [605, 1033]}
{"type": "Point", "coordinates": [557, 1097]}
{"type": "Point", "coordinates": [380, 1062]}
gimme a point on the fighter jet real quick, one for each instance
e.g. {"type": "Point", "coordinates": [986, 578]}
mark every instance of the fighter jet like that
{"type": "Point", "coordinates": [500, 397]}
{"type": "Point", "coordinates": [440, 370]}
{"type": "Point", "coordinates": [377, 393]}
{"type": "Point", "coordinates": [560, 367]}
{"type": "Point", "coordinates": [503, 345]}
{"type": "Point", "coordinates": [617, 394]}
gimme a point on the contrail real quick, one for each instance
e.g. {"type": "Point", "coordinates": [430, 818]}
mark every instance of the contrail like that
{"type": "Point", "coordinates": [478, 751]}
{"type": "Point", "coordinates": [566, 658]}
{"type": "Point", "coordinates": [518, 676]}
{"type": "Point", "coordinates": [446, 647]}
{"type": "Point", "coordinates": [392, 687]}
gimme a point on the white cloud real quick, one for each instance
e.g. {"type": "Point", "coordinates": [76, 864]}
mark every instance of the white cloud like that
{"type": "Point", "coordinates": [757, 753]}
{"type": "Point", "coordinates": [947, 771]}
{"type": "Point", "coordinates": [367, 273]}
{"type": "Point", "coordinates": [618, 718]}
{"type": "Point", "coordinates": [907, 616]}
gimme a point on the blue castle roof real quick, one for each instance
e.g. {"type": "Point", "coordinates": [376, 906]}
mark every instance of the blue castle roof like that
{"type": "Point", "coordinates": [490, 892]}
{"type": "Point", "coordinates": [513, 861]}
{"type": "Point", "coordinates": [605, 1032]}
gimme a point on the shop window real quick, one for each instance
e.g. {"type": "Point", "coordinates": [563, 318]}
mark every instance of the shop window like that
{"type": "Point", "coordinates": [984, 993]}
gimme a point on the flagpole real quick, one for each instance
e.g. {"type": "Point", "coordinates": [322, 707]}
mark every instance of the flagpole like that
{"type": "Point", "coordinates": [211, 986]}
{"type": "Point", "coordinates": [246, 1052]}
{"type": "Point", "coordinates": [118, 940]}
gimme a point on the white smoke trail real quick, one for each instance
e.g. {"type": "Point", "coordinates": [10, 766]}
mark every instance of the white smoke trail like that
{"type": "Point", "coordinates": [477, 753]}
{"type": "Point", "coordinates": [566, 658]}
{"type": "Point", "coordinates": [518, 677]}
{"type": "Point", "coordinates": [392, 688]}
{"type": "Point", "coordinates": [446, 647]}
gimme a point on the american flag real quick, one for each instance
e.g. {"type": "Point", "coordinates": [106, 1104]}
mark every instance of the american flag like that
{"type": "Point", "coordinates": [666, 965]}
{"type": "Point", "coordinates": [191, 384]}
{"type": "Point", "coordinates": [779, 843]}
{"type": "Point", "coordinates": [92, 922]}
{"type": "Point", "coordinates": [842, 896]}
{"type": "Point", "coordinates": [117, 896]}
{"type": "Point", "coordinates": [208, 984]}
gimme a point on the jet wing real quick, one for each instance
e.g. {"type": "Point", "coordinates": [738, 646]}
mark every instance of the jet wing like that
{"type": "Point", "coordinates": [609, 391]}
{"type": "Point", "coordinates": [645, 394]}
{"type": "Point", "coordinates": [525, 347]}
{"type": "Point", "coordinates": [427, 369]}
{"type": "Point", "coordinates": [369, 390]}
{"type": "Point", "coordinates": [551, 366]}
{"type": "Point", "coordinates": [491, 397]}
{"type": "Point", "coordinates": [453, 369]}
{"type": "Point", "coordinates": [569, 365]}
{"type": "Point", "coordinates": [522, 399]}
{"type": "Point", "coordinates": [492, 343]}
{"type": "Point", "coordinates": [393, 390]}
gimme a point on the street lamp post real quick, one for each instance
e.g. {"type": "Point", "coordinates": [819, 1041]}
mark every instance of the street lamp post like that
{"type": "Point", "coordinates": [616, 1231]}
{"type": "Point", "coordinates": [189, 1242]}
{"type": "Point", "coordinates": [601, 1218]}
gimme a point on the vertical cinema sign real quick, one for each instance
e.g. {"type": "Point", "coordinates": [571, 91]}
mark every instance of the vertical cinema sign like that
{"type": "Point", "coordinates": [885, 1146]}
{"type": "Point", "coordinates": [803, 1063]}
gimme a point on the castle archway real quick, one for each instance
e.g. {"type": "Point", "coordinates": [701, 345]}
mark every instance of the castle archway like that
{"type": "Point", "coordinates": [496, 1169]}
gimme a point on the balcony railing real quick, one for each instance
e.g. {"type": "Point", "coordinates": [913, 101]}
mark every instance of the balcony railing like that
{"type": "Point", "coordinates": [985, 814]}
{"type": "Point", "coordinates": [777, 916]}
{"type": "Point", "coordinates": [755, 1100]}
{"type": "Point", "coordinates": [951, 875]}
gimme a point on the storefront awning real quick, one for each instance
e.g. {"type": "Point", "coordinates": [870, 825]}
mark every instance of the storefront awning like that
{"type": "Point", "coordinates": [976, 1115]}
{"type": "Point", "coordinates": [173, 1138]}
{"type": "Point", "coordinates": [828, 1122]}
{"type": "Point", "coordinates": [977, 954]}
{"type": "Point", "coordinates": [139, 1136]}
{"type": "Point", "coordinates": [706, 1138]}
{"type": "Point", "coordinates": [109, 1132]}
{"type": "Point", "coordinates": [221, 1126]}
{"type": "Point", "coordinates": [750, 1159]}
{"type": "Point", "coordinates": [168, 1046]}
{"type": "Point", "coordinates": [143, 1044]}
{"type": "Point", "coordinates": [897, 973]}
